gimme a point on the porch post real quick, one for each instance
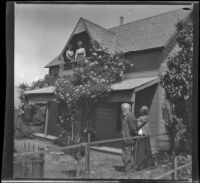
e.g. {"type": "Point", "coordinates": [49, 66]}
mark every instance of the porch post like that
{"type": "Point", "coordinates": [46, 119]}
{"type": "Point", "coordinates": [133, 103]}
{"type": "Point", "coordinates": [72, 130]}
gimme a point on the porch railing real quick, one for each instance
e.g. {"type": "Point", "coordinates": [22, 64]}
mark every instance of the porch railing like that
{"type": "Point", "coordinates": [67, 66]}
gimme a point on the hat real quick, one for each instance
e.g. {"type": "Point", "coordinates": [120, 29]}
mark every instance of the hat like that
{"type": "Point", "coordinates": [125, 105]}
{"type": "Point", "coordinates": [80, 42]}
{"type": "Point", "coordinates": [144, 110]}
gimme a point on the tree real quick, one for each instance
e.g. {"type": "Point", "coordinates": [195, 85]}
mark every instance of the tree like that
{"type": "Point", "coordinates": [28, 114]}
{"type": "Point", "coordinates": [177, 82]}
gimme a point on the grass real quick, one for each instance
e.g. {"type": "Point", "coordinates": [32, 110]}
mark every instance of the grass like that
{"type": "Point", "coordinates": [102, 166]}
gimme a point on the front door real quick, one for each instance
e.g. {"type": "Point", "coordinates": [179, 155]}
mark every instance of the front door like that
{"type": "Point", "coordinates": [52, 128]}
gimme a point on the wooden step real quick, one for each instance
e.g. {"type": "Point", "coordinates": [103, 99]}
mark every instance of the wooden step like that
{"type": "Point", "coordinates": [42, 136]}
{"type": "Point", "coordinates": [107, 150]}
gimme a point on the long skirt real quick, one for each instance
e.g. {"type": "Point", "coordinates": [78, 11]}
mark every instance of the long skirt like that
{"type": "Point", "coordinates": [128, 156]}
{"type": "Point", "coordinates": [143, 154]}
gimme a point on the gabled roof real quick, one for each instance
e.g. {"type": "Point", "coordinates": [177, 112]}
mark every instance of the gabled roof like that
{"type": "Point", "coordinates": [128, 84]}
{"type": "Point", "coordinates": [148, 33]}
{"type": "Point", "coordinates": [133, 83]}
{"type": "Point", "coordinates": [54, 62]}
{"type": "Point", "coordinates": [46, 90]}
{"type": "Point", "coordinates": [104, 36]}
{"type": "Point", "coordinates": [152, 32]}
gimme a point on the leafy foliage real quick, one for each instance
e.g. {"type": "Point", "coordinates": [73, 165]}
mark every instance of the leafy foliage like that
{"type": "Point", "coordinates": [89, 84]}
{"type": "Point", "coordinates": [30, 114]}
{"type": "Point", "coordinates": [20, 129]}
{"type": "Point", "coordinates": [177, 82]}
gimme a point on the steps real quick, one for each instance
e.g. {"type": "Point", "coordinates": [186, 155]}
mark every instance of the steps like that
{"type": "Point", "coordinates": [107, 150]}
{"type": "Point", "coordinates": [42, 136]}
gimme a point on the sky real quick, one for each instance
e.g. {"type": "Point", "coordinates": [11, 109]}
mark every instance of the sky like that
{"type": "Point", "coordinates": [41, 30]}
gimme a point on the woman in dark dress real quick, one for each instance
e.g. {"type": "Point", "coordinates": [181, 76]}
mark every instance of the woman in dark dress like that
{"type": "Point", "coordinates": [129, 129]}
{"type": "Point", "coordinates": [143, 155]}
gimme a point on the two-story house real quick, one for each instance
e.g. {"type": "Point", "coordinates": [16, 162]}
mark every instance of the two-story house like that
{"type": "Point", "coordinates": [147, 43]}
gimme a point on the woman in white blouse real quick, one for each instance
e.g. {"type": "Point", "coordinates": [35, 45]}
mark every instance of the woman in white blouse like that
{"type": "Point", "coordinates": [80, 52]}
{"type": "Point", "coordinates": [69, 53]}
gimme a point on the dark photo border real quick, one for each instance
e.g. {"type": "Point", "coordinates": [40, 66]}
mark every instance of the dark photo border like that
{"type": "Point", "coordinates": [8, 132]}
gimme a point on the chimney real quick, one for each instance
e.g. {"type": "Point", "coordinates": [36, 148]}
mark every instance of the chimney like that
{"type": "Point", "coordinates": [121, 20]}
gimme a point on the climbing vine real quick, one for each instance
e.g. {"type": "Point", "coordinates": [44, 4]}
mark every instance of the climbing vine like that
{"type": "Point", "coordinates": [177, 82]}
{"type": "Point", "coordinates": [91, 81]}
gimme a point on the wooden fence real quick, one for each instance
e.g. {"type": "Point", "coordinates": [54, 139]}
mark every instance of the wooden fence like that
{"type": "Point", "coordinates": [28, 165]}
{"type": "Point", "coordinates": [30, 162]}
{"type": "Point", "coordinates": [87, 150]}
{"type": "Point", "coordinates": [174, 171]}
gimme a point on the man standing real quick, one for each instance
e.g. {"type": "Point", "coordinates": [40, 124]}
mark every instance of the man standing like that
{"type": "Point", "coordinates": [129, 129]}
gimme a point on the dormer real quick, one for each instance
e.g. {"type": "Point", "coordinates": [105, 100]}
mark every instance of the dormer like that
{"type": "Point", "coordinates": [87, 32]}
{"type": "Point", "coordinates": [145, 42]}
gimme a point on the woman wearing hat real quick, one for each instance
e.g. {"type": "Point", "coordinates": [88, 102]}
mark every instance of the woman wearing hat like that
{"type": "Point", "coordinates": [80, 52]}
{"type": "Point", "coordinates": [144, 157]}
{"type": "Point", "coordinates": [129, 129]}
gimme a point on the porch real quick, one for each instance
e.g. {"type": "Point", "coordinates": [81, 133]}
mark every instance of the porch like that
{"type": "Point", "coordinates": [132, 90]}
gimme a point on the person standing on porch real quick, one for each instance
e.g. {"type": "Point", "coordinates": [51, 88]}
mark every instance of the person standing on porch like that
{"type": "Point", "coordinates": [129, 129]}
{"type": "Point", "coordinates": [144, 155]}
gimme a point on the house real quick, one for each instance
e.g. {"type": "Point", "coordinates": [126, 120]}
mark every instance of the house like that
{"type": "Point", "coordinates": [147, 43]}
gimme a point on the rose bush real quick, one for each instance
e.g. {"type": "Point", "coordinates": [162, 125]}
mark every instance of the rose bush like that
{"type": "Point", "coordinates": [91, 81]}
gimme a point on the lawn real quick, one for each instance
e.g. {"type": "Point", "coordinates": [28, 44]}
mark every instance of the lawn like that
{"type": "Point", "coordinates": [102, 165]}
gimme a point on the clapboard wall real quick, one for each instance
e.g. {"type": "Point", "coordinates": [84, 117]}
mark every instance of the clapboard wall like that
{"type": "Point", "coordinates": [52, 128]}
{"type": "Point", "coordinates": [54, 70]}
{"type": "Point", "coordinates": [145, 60]}
{"type": "Point", "coordinates": [107, 121]}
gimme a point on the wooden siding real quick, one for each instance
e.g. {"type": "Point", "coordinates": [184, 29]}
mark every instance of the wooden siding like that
{"type": "Point", "coordinates": [79, 28]}
{"type": "Point", "coordinates": [161, 125]}
{"type": "Point", "coordinates": [120, 96]}
{"type": "Point", "coordinates": [144, 61]}
{"type": "Point", "coordinates": [107, 121]}
{"type": "Point", "coordinates": [54, 71]}
{"type": "Point", "coordinates": [52, 128]}
{"type": "Point", "coordinates": [41, 97]}
{"type": "Point", "coordinates": [171, 49]}
{"type": "Point", "coordinates": [142, 74]}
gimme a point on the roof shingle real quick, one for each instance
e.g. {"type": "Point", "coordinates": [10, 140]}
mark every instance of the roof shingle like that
{"type": "Point", "coordinates": [54, 62]}
{"type": "Point", "coordinates": [123, 85]}
{"type": "Point", "coordinates": [151, 32]}
{"type": "Point", "coordinates": [104, 36]}
{"type": "Point", "coordinates": [148, 33]}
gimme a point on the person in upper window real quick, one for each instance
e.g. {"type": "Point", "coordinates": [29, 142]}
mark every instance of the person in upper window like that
{"type": "Point", "coordinates": [80, 52]}
{"type": "Point", "coordinates": [69, 53]}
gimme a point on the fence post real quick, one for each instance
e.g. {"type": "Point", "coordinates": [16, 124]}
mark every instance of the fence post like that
{"type": "Point", "coordinates": [87, 156]}
{"type": "Point", "coordinates": [175, 166]}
